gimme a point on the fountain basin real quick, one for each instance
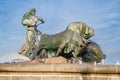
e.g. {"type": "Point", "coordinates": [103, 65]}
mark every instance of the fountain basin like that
{"type": "Point", "coordinates": [56, 71]}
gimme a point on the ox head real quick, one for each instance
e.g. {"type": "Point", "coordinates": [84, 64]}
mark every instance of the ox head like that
{"type": "Point", "coordinates": [88, 33]}
{"type": "Point", "coordinates": [93, 53]}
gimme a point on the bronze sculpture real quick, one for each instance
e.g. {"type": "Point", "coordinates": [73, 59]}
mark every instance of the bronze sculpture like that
{"type": "Point", "coordinates": [66, 41]}
{"type": "Point", "coordinates": [33, 35]}
{"type": "Point", "coordinates": [73, 42]}
{"type": "Point", "coordinates": [93, 53]}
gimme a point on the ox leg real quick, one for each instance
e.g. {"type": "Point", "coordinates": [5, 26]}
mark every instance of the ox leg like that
{"type": "Point", "coordinates": [76, 58]}
{"type": "Point", "coordinates": [60, 49]}
{"type": "Point", "coordinates": [73, 53]}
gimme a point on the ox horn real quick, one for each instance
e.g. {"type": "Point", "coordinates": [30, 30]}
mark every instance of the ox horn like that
{"type": "Point", "coordinates": [91, 31]}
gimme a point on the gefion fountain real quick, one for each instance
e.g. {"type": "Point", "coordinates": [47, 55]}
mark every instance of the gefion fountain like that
{"type": "Point", "coordinates": [68, 55]}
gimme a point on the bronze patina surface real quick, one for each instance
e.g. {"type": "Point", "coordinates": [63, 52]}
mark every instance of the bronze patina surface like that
{"type": "Point", "coordinates": [73, 42]}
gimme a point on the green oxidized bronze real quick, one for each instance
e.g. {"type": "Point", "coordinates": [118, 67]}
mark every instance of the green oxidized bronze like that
{"type": "Point", "coordinates": [58, 43]}
{"type": "Point", "coordinates": [93, 53]}
{"type": "Point", "coordinates": [73, 42]}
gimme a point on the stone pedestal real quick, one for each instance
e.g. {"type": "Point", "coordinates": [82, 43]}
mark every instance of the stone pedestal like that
{"type": "Point", "coordinates": [39, 71]}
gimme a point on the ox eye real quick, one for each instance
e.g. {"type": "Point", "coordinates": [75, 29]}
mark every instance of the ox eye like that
{"type": "Point", "coordinates": [81, 45]}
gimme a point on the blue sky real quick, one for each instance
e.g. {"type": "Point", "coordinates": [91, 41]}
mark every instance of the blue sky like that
{"type": "Point", "coordinates": [102, 15]}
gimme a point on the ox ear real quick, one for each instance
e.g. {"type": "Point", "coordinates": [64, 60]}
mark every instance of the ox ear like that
{"type": "Point", "coordinates": [91, 31]}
